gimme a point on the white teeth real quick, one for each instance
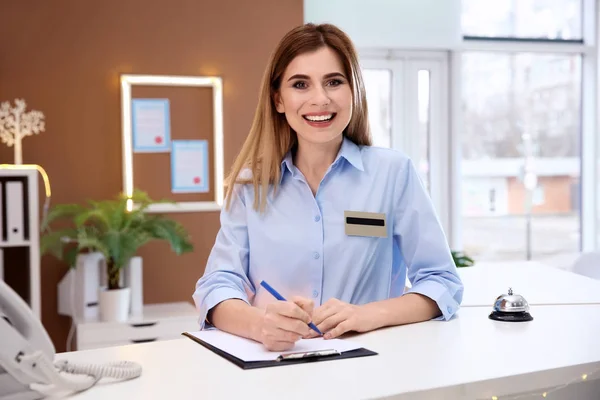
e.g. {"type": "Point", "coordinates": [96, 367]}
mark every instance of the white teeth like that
{"type": "Point", "coordinates": [319, 118]}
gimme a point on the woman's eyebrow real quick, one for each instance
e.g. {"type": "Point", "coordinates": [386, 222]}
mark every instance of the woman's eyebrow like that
{"type": "Point", "coordinates": [327, 76]}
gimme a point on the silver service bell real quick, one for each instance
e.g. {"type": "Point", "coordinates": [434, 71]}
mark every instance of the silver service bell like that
{"type": "Point", "coordinates": [511, 308]}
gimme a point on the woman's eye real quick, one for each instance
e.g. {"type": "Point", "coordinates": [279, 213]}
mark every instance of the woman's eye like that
{"type": "Point", "coordinates": [300, 85]}
{"type": "Point", "coordinates": [334, 82]}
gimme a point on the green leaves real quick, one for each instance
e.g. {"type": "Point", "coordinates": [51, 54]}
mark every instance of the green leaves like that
{"type": "Point", "coordinates": [90, 238]}
{"type": "Point", "coordinates": [108, 227]}
{"type": "Point", "coordinates": [462, 260]}
{"type": "Point", "coordinates": [169, 230]}
{"type": "Point", "coordinates": [92, 216]}
{"type": "Point", "coordinates": [122, 246]}
{"type": "Point", "coordinates": [61, 211]}
{"type": "Point", "coordinates": [54, 242]}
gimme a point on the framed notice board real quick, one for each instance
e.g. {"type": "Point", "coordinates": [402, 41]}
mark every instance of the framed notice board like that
{"type": "Point", "coordinates": [172, 135]}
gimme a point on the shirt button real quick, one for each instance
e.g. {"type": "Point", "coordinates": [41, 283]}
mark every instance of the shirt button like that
{"type": "Point", "coordinates": [317, 218]}
{"type": "Point", "coordinates": [316, 255]}
{"type": "Point", "coordinates": [315, 293]}
{"type": "Point", "coordinates": [449, 309]}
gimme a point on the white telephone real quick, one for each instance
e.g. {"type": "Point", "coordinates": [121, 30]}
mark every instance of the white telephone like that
{"type": "Point", "coordinates": [26, 356]}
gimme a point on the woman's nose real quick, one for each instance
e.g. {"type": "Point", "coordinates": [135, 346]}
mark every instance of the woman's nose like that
{"type": "Point", "coordinates": [320, 97]}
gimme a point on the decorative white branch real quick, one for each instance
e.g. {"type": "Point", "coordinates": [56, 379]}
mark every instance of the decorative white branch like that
{"type": "Point", "coordinates": [15, 124]}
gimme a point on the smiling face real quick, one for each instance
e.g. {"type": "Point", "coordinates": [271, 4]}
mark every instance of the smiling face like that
{"type": "Point", "coordinates": [315, 96]}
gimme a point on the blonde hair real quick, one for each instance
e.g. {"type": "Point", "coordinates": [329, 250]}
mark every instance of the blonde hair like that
{"type": "Point", "coordinates": [270, 136]}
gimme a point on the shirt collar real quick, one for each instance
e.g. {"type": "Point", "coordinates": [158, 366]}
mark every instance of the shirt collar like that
{"type": "Point", "coordinates": [286, 163]}
{"type": "Point", "coordinates": [349, 151]}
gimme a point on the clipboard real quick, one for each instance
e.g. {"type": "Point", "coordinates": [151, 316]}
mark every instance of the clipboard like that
{"type": "Point", "coordinates": [290, 358]}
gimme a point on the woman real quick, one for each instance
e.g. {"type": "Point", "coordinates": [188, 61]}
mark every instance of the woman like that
{"type": "Point", "coordinates": [330, 222]}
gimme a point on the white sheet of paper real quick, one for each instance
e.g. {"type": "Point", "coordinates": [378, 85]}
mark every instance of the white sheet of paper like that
{"type": "Point", "coordinates": [151, 125]}
{"type": "Point", "coordinates": [189, 166]}
{"type": "Point", "coordinates": [249, 350]}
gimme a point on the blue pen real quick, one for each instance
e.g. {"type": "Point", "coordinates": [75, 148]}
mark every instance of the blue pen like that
{"type": "Point", "coordinates": [280, 297]}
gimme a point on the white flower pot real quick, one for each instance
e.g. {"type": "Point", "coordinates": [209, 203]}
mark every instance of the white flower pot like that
{"type": "Point", "coordinates": [114, 304]}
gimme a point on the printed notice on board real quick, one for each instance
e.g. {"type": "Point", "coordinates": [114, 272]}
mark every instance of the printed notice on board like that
{"type": "Point", "coordinates": [189, 166]}
{"type": "Point", "coordinates": [151, 125]}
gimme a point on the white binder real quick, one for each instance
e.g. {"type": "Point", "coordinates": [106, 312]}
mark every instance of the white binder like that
{"type": "Point", "coordinates": [1, 264]}
{"type": "Point", "coordinates": [133, 280]}
{"type": "Point", "coordinates": [15, 218]}
{"type": "Point", "coordinates": [1, 205]}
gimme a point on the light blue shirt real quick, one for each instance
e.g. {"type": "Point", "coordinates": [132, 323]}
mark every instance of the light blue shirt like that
{"type": "Point", "coordinates": [300, 247]}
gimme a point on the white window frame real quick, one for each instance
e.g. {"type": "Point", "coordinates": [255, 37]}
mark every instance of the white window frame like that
{"type": "Point", "coordinates": [405, 66]}
{"type": "Point", "coordinates": [447, 178]}
{"type": "Point", "coordinates": [589, 123]}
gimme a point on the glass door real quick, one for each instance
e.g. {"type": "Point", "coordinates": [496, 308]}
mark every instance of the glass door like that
{"type": "Point", "coordinates": [408, 110]}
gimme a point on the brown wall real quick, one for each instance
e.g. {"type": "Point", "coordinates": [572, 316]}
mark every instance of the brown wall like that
{"type": "Point", "coordinates": [557, 195]}
{"type": "Point", "coordinates": [65, 57]}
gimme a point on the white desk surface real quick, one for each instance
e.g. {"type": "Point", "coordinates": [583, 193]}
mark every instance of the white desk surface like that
{"type": "Point", "coordinates": [469, 357]}
{"type": "Point", "coordinates": [538, 283]}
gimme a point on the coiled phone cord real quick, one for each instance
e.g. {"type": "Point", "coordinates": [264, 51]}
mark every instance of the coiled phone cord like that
{"type": "Point", "coordinates": [43, 370]}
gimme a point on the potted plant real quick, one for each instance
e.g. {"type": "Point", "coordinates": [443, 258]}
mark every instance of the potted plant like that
{"type": "Point", "coordinates": [109, 227]}
{"type": "Point", "coordinates": [462, 260]}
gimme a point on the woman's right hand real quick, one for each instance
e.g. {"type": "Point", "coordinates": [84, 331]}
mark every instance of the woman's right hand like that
{"type": "Point", "coordinates": [286, 322]}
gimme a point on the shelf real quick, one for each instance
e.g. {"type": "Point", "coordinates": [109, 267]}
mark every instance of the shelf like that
{"type": "Point", "coordinates": [151, 313]}
{"type": "Point", "coordinates": [15, 244]}
{"type": "Point", "coordinates": [159, 322]}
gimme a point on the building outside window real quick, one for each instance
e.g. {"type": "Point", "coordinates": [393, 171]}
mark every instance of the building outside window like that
{"type": "Point", "coordinates": [522, 127]}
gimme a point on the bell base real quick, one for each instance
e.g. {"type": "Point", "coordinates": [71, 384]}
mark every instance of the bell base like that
{"type": "Point", "coordinates": [511, 316]}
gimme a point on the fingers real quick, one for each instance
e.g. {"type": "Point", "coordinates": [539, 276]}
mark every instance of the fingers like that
{"type": "Point", "coordinates": [305, 304]}
{"type": "Point", "coordinates": [343, 327]}
{"type": "Point", "coordinates": [280, 333]}
{"type": "Point", "coordinates": [288, 317]}
{"type": "Point", "coordinates": [289, 309]}
{"type": "Point", "coordinates": [308, 306]}
{"type": "Point", "coordinates": [272, 335]}
{"type": "Point", "coordinates": [333, 321]}
{"type": "Point", "coordinates": [285, 322]}
{"type": "Point", "coordinates": [332, 317]}
{"type": "Point", "coordinates": [324, 312]}
{"type": "Point", "coordinates": [312, 334]}
{"type": "Point", "coordinates": [292, 325]}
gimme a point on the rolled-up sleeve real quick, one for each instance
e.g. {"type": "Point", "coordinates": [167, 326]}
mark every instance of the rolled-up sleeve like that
{"type": "Point", "coordinates": [423, 244]}
{"type": "Point", "coordinates": [226, 273]}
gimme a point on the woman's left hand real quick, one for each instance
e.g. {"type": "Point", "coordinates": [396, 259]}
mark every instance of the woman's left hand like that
{"type": "Point", "coordinates": [336, 317]}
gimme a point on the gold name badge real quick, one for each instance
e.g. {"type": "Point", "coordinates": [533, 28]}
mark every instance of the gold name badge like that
{"type": "Point", "coordinates": [365, 224]}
